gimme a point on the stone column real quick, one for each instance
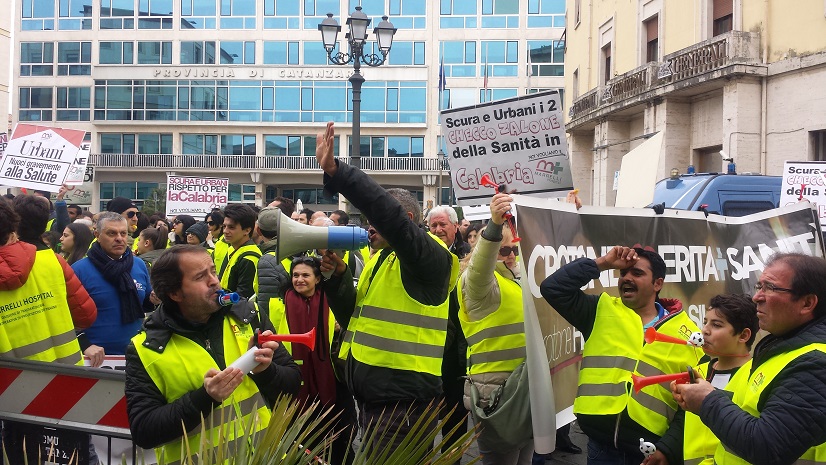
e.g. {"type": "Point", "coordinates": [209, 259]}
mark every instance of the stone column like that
{"type": "Point", "coordinates": [673, 118]}
{"type": "Point", "coordinates": [741, 123]}
{"type": "Point", "coordinates": [581, 157]}
{"type": "Point", "coordinates": [611, 136]}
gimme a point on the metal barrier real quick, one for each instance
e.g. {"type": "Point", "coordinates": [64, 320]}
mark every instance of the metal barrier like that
{"type": "Point", "coordinates": [64, 398]}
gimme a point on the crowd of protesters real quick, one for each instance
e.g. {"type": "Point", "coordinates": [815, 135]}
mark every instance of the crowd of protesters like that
{"type": "Point", "coordinates": [430, 311]}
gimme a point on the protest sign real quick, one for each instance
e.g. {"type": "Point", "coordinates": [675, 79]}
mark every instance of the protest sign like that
{"type": "Point", "coordinates": [519, 142]}
{"type": "Point", "coordinates": [704, 256]}
{"type": "Point", "coordinates": [4, 141]}
{"type": "Point", "coordinates": [39, 157]}
{"type": "Point", "coordinates": [805, 180]}
{"type": "Point", "coordinates": [77, 172]}
{"type": "Point", "coordinates": [196, 196]}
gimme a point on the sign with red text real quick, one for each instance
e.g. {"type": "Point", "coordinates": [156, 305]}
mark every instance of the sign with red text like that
{"type": "Point", "coordinates": [519, 142]}
{"type": "Point", "coordinates": [39, 157]}
{"type": "Point", "coordinates": [196, 196]}
{"type": "Point", "coordinates": [805, 180]}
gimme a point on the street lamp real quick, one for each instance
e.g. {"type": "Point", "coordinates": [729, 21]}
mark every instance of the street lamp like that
{"type": "Point", "coordinates": [441, 160]}
{"type": "Point", "coordinates": [358, 23]}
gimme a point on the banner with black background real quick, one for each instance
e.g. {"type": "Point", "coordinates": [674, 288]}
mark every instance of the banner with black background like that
{"type": "Point", "coordinates": [704, 256]}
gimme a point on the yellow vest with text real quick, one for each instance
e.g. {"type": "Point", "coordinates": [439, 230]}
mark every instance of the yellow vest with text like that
{"type": "Point", "coordinates": [616, 350]}
{"type": "Point", "coordinates": [279, 322]}
{"type": "Point", "coordinates": [747, 396]}
{"type": "Point", "coordinates": [37, 325]}
{"type": "Point", "coordinates": [221, 250]}
{"type": "Point", "coordinates": [699, 443]}
{"type": "Point", "coordinates": [180, 369]}
{"type": "Point", "coordinates": [389, 328]}
{"type": "Point", "coordinates": [496, 343]}
{"type": "Point", "coordinates": [249, 252]}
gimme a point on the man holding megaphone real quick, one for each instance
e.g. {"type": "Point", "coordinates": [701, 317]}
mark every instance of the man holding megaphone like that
{"type": "Point", "coordinates": [396, 323]}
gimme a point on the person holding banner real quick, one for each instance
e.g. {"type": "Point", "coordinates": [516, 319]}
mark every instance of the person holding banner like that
{"type": "Point", "coordinates": [492, 319]}
{"type": "Point", "coordinates": [776, 415]}
{"type": "Point", "coordinates": [609, 412]}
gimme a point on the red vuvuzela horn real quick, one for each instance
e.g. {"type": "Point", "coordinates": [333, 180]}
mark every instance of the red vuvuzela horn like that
{"type": "Point", "coordinates": [488, 182]}
{"type": "Point", "coordinates": [307, 339]}
{"type": "Point", "coordinates": [681, 378]}
{"type": "Point", "coordinates": [651, 335]}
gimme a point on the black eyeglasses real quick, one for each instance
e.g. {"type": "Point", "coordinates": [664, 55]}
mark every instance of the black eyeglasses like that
{"type": "Point", "coordinates": [506, 250]}
{"type": "Point", "coordinates": [305, 261]}
{"type": "Point", "coordinates": [211, 223]}
{"type": "Point", "coordinates": [769, 287]}
{"type": "Point", "coordinates": [132, 214]}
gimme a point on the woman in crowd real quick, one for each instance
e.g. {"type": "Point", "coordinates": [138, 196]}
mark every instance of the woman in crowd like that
{"type": "Point", "coordinates": [472, 234]}
{"type": "Point", "coordinates": [304, 307]}
{"type": "Point", "coordinates": [179, 226]}
{"type": "Point", "coordinates": [151, 243]}
{"type": "Point", "coordinates": [490, 302]}
{"type": "Point", "coordinates": [75, 241]}
{"type": "Point", "coordinates": [197, 233]}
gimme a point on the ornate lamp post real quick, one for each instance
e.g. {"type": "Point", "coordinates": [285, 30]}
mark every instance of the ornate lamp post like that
{"type": "Point", "coordinates": [358, 23]}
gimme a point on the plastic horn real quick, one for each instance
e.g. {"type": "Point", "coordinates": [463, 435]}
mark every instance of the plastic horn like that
{"type": "Point", "coordinates": [307, 339]}
{"type": "Point", "coordinates": [651, 335]}
{"type": "Point", "coordinates": [681, 378]}
{"type": "Point", "coordinates": [225, 299]}
{"type": "Point", "coordinates": [488, 182]}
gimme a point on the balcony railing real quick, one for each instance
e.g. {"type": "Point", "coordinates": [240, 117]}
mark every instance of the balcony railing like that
{"type": "Point", "coordinates": [254, 162]}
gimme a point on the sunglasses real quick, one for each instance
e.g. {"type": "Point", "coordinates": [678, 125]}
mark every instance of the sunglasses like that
{"type": "Point", "coordinates": [133, 214]}
{"type": "Point", "coordinates": [507, 250]}
{"type": "Point", "coordinates": [176, 222]}
{"type": "Point", "coordinates": [211, 223]}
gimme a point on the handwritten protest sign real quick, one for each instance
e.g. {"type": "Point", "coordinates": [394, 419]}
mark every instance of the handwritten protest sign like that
{"type": "Point", "coordinates": [4, 141]}
{"type": "Point", "coordinates": [519, 142]}
{"type": "Point", "coordinates": [39, 157]}
{"type": "Point", "coordinates": [196, 196]}
{"type": "Point", "coordinates": [77, 172]}
{"type": "Point", "coordinates": [805, 180]}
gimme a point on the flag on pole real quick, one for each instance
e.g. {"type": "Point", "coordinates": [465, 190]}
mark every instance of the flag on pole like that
{"type": "Point", "coordinates": [485, 74]}
{"type": "Point", "coordinates": [530, 70]}
{"type": "Point", "coordinates": [442, 81]}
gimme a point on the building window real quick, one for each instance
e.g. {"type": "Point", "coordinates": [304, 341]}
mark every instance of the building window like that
{"type": "Point", "coordinates": [35, 104]}
{"type": "Point", "coordinates": [147, 143]}
{"type": "Point", "coordinates": [408, 53]}
{"type": "Point", "coordinates": [36, 58]}
{"type": "Point", "coordinates": [458, 14]}
{"type": "Point", "coordinates": [282, 53]}
{"type": "Point", "coordinates": [136, 191]}
{"type": "Point", "coordinates": [198, 14]}
{"type": "Point", "coordinates": [117, 14]}
{"type": "Point", "coordinates": [116, 53]}
{"type": "Point", "coordinates": [75, 15]}
{"type": "Point", "coordinates": [547, 57]}
{"type": "Point", "coordinates": [155, 14]}
{"type": "Point", "coordinates": [606, 63]}
{"type": "Point", "coordinates": [311, 196]}
{"type": "Point", "coordinates": [238, 14]}
{"type": "Point", "coordinates": [407, 14]}
{"type": "Point", "coordinates": [651, 30]}
{"type": "Point", "coordinates": [316, 11]}
{"type": "Point", "coordinates": [546, 13]}
{"type": "Point", "coordinates": [459, 58]}
{"type": "Point", "coordinates": [818, 142]}
{"type": "Point", "coordinates": [237, 53]}
{"type": "Point", "coordinates": [73, 104]}
{"type": "Point", "coordinates": [74, 58]}
{"type": "Point", "coordinates": [241, 193]}
{"type": "Point", "coordinates": [723, 16]}
{"type": "Point", "coordinates": [198, 52]}
{"type": "Point", "coordinates": [37, 15]}
{"type": "Point", "coordinates": [489, 95]}
{"type": "Point", "coordinates": [154, 53]}
{"type": "Point", "coordinates": [280, 146]}
{"type": "Point", "coordinates": [500, 14]}
{"type": "Point", "coordinates": [282, 14]}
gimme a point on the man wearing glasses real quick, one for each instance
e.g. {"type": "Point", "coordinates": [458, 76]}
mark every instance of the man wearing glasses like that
{"type": "Point", "coordinates": [776, 416]}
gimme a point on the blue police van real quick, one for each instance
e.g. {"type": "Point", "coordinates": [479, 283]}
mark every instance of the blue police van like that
{"type": "Point", "coordinates": [718, 193]}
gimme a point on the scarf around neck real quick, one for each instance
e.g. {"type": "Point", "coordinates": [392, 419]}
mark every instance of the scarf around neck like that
{"type": "Point", "coordinates": [118, 273]}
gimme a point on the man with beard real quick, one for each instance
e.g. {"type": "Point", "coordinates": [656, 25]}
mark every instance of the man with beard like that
{"type": "Point", "coordinates": [609, 411]}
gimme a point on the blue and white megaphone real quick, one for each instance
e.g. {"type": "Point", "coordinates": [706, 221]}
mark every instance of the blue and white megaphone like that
{"type": "Point", "coordinates": [294, 237]}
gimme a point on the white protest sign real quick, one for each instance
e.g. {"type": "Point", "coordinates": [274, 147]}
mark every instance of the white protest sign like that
{"type": "Point", "coordinates": [4, 141]}
{"type": "Point", "coordinates": [519, 142]}
{"type": "Point", "coordinates": [805, 180]}
{"type": "Point", "coordinates": [39, 157]}
{"type": "Point", "coordinates": [77, 172]}
{"type": "Point", "coordinates": [196, 196]}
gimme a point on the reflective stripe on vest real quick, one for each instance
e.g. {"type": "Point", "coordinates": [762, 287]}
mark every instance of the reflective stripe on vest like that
{"type": "Point", "coordinates": [616, 350]}
{"type": "Point", "coordinates": [747, 395]}
{"type": "Point", "coordinates": [496, 343]}
{"type": "Point", "coordinates": [36, 323]}
{"type": "Point", "coordinates": [391, 329]}
{"type": "Point", "coordinates": [249, 252]}
{"type": "Point", "coordinates": [699, 442]}
{"type": "Point", "coordinates": [180, 369]}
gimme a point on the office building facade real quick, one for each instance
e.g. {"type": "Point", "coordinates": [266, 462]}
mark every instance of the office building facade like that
{"type": "Point", "coordinates": [723, 81]}
{"type": "Point", "coordinates": [240, 88]}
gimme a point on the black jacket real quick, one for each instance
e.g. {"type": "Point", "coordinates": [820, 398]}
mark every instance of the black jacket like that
{"type": "Point", "coordinates": [425, 270]}
{"type": "Point", "coordinates": [152, 420]}
{"type": "Point", "coordinates": [562, 291]}
{"type": "Point", "coordinates": [792, 408]}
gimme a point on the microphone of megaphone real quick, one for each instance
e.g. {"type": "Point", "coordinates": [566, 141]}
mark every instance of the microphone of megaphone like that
{"type": "Point", "coordinates": [294, 237]}
{"type": "Point", "coordinates": [307, 339]}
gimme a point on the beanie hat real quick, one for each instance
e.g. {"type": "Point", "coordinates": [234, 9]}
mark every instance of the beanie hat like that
{"type": "Point", "coordinates": [119, 205]}
{"type": "Point", "coordinates": [198, 230]}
